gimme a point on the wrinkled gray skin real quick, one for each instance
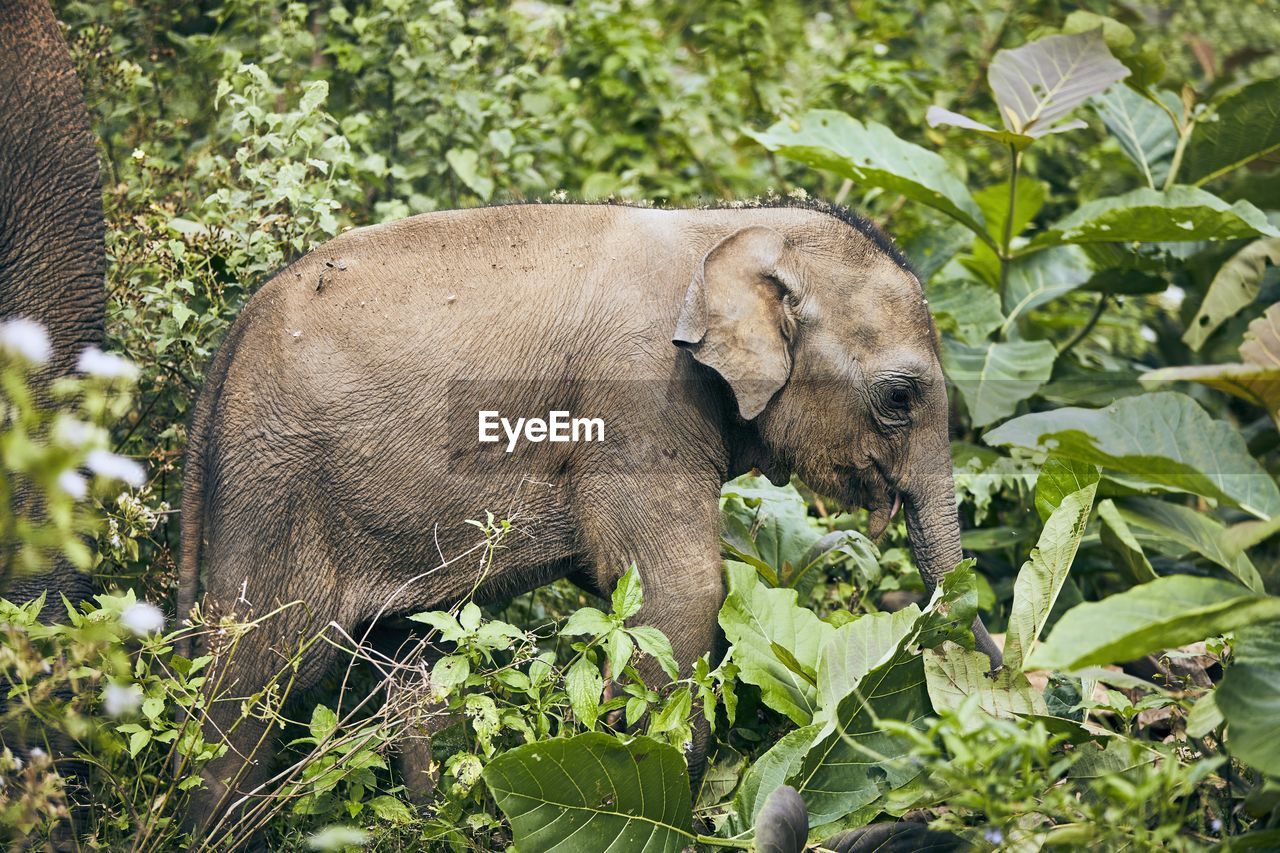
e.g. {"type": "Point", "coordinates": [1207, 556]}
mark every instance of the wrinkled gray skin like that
{"type": "Point", "coordinates": [334, 455]}
{"type": "Point", "coordinates": [52, 264]}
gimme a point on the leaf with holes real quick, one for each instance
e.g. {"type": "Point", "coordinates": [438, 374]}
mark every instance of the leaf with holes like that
{"type": "Point", "coordinates": [592, 792]}
{"type": "Point", "coordinates": [1039, 83]}
{"type": "Point", "coordinates": [1150, 216]}
{"type": "Point", "coordinates": [994, 377]}
{"type": "Point", "coordinates": [1235, 286]}
{"type": "Point", "coordinates": [871, 154]}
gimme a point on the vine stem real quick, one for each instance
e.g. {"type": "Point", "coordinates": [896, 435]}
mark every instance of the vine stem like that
{"type": "Point", "coordinates": [1015, 163]}
{"type": "Point", "coordinates": [1087, 328]}
{"type": "Point", "coordinates": [712, 841]}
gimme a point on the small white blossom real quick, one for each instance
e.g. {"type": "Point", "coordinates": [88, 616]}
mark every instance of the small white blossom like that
{"type": "Point", "coordinates": [72, 432]}
{"type": "Point", "coordinates": [107, 365]}
{"type": "Point", "coordinates": [107, 464]}
{"type": "Point", "coordinates": [26, 339]}
{"type": "Point", "coordinates": [74, 484]}
{"type": "Point", "coordinates": [139, 154]}
{"type": "Point", "coordinates": [142, 618]}
{"type": "Point", "coordinates": [121, 699]}
{"type": "Point", "coordinates": [37, 753]}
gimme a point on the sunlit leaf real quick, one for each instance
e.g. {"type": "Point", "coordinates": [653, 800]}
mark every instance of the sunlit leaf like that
{"type": "Point", "coordinates": [1150, 216]}
{"type": "Point", "coordinates": [1165, 438]}
{"type": "Point", "coordinates": [1039, 83]}
{"type": "Point", "coordinates": [1152, 617]}
{"type": "Point", "coordinates": [871, 154]}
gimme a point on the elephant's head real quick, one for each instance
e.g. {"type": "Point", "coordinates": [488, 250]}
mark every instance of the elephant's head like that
{"type": "Point", "coordinates": [824, 335]}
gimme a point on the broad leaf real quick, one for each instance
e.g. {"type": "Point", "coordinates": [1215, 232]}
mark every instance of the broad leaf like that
{"type": "Point", "coordinates": [465, 163]}
{"type": "Point", "coordinates": [756, 620]}
{"type": "Point", "coordinates": [1164, 614]}
{"type": "Point", "coordinates": [592, 792]}
{"type": "Point", "coordinates": [855, 648]}
{"type": "Point", "coordinates": [767, 526]}
{"type": "Point", "coordinates": [767, 773]}
{"type": "Point", "coordinates": [1249, 697]}
{"type": "Point", "coordinates": [1124, 548]}
{"type": "Point", "coordinates": [1243, 127]}
{"type": "Point", "coordinates": [852, 761]}
{"type": "Point", "coordinates": [1041, 277]}
{"type": "Point", "coordinates": [995, 377]}
{"type": "Point", "coordinates": [954, 674]}
{"type": "Point", "coordinates": [1042, 575]}
{"type": "Point", "coordinates": [1037, 84]}
{"type": "Point", "coordinates": [968, 309]}
{"type": "Point", "coordinates": [1058, 478]}
{"type": "Point", "coordinates": [1257, 379]}
{"type": "Point", "coordinates": [871, 154]}
{"type": "Point", "coordinates": [936, 116]}
{"type": "Point", "coordinates": [1165, 438]}
{"type": "Point", "coordinates": [1235, 286]}
{"type": "Point", "coordinates": [1191, 529]}
{"type": "Point", "coordinates": [1145, 132]}
{"type": "Point", "coordinates": [1150, 216]}
{"type": "Point", "coordinates": [1029, 197]}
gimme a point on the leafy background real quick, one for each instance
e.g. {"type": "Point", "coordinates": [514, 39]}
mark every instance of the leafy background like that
{"type": "Point", "coordinates": [1100, 257]}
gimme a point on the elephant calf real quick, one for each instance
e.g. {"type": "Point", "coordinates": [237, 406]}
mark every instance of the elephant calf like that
{"type": "Point", "coordinates": [336, 450]}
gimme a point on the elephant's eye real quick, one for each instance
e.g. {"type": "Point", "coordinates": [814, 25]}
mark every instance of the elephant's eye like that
{"type": "Point", "coordinates": [894, 402]}
{"type": "Point", "coordinates": [899, 396]}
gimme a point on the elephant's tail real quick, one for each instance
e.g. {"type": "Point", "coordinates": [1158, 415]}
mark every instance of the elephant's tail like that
{"type": "Point", "coordinates": [194, 481]}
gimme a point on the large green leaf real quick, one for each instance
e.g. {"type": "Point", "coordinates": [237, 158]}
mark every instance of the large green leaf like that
{"type": "Point", "coordinates": [1164, 614]}
{"type": "Point", "coordinates": [1234, 287]}
{"type": "Point", "coordinates": [968, 309]}
{"type": "Point", "coordinates": [1039, 83]}
{"type": "Point", "coordinates": [1249, 697]}
{"type": "Point", "coordinates": [767, 773]}
{"type": "Point", "coordinates": [1145, 132]}
{"type": "Point", "coordinates": [994, 377]}
{"type": "Point", "coordinates": [1256, 379]}
{"type": "Point", "coordinates": [1042, 575]}
{"type": "Point", "coordinates": [1165, 438]}
{"type": "Point", "coordinates": [953, 674]}
{"type": "Point", "coordinates": [1124, 548]}
{"type": "Point", "coordinates": [767, 526]}
{"type": "Point", "coordinates": [1150, 216]}
{"type": "Point", "coordinates": [852, 761]}
{"type": "Point", "coordinates": [871, 154]}
{"type": "Point", "coordinates": [1191, 529]}
{"type": "Point", "coordinates": [1041, 277]}
{"type": "Point", "coordinates": [856, 647]}
{"type": "Point", "coordinates": [592, 792]}
{"type": "Point", "coordinates": [1058, 478]}
{"type": "Point", "coordinates": [760, 623]}
{"type": "Point", "coordinates": [1243, 127]}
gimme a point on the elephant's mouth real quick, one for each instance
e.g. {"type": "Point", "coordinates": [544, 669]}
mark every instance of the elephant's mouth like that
{"type": "Point", "coordinates": [868, 488]}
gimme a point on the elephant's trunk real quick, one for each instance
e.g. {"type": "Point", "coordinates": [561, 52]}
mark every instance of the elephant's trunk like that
{"type": "Point", "coordinates": [933, 526]}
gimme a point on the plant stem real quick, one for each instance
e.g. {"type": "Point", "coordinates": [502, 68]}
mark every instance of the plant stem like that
{"type": "Point", "coordinates": [1087, 328]}
{"type": "Point", "coordinates": [712, 841]}
{"type": "Point", "coordinates": [1015, 162]}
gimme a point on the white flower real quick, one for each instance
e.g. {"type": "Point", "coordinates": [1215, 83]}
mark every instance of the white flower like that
{"type": "Point", "coordinates": [338, 837]}
{"type": "Point", "coordinates": [106, 464]}
{"type": "Point", "coordinates": [121, 699]}
{"type": "Point", "coordinates": [72, 432]}
{"type": "Point", "coordinates": [142, 618]}
{"type": "Point", "coordinates": [74, 484]}
{"type": "Point", "coordinates": [138, 154]}
{"type": "Point", "coordinates": [26, 339]}
{"type": "Point", "coordinates": [37, 753]}
{"type": "Point", "coordinates": [106, 365]}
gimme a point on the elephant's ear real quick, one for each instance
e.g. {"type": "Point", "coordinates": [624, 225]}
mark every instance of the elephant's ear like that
{"type": "Point", "coordinates": [735, 318]}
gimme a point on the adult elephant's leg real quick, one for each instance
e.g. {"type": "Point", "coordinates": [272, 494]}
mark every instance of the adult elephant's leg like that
{"type": "Point", "coordinates": [670, 530]}
{"type": "Point", "coordinates": [285, 588]}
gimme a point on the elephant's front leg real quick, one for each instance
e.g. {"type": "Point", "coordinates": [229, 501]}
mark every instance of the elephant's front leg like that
{"type": "Point", "coordinates": [671, 532]}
